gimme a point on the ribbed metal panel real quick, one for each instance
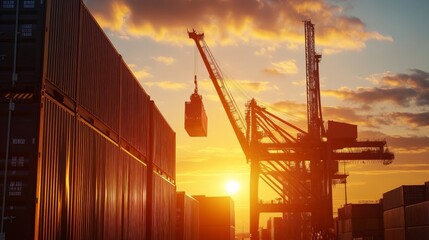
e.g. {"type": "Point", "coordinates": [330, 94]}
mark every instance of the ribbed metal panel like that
{"type": "Point", "coordinates": [163, 209]}
{"type": "Point", "coordinates": [418, 233]}
{"type": "Point", "coordinates": [22, 166]}
{"type": "Point", "coordinates": [187, 223]}
{"type": "Point", "coordinates": [99, 73]}
{"type": "Point", "coordinates": [87, 183]}
{"type": "Point", "coordinates": [417, 214]}
{"type": "Point", "coordinates": [403, 196]}
{"type": "Point", "coordinates": [164, 143]}
{"type": "Point", "coordinates": [58, 155]}
{"type": "Point", "coordinates": [62, 39]}
{"type": "Point", "coordinates": [135, 198]}
{"type": "Point", "coordinates": [217, 219]}
{"type": "Point", "coordinates": [30, 41]}
{"type": "Point", "coordinates": [135, 115]}
{"type": "Point", "coordinates": [394, 218]}
{"type": "Point", "coordinates": [394, 234]}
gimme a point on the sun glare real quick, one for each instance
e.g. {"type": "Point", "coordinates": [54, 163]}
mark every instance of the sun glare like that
{"type": "Point", "coordinates": [232, 186]}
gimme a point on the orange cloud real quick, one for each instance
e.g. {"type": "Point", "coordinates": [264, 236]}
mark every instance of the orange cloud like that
{"type": "Point", "coordinates": [165, 60]}
{"type": "Point", "coordinates": [139, 73]}
{"type": "Point", "coordinates": [400, 89]}
{"type": "Point", "coordinates": [166, 85]}
{"type": "Point", "coordinates": [232, 22]}
{"type": "Point", "coordinates": [282, 68]}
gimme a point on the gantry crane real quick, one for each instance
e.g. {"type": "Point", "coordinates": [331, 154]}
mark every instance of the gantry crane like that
{"type": "Point", "coordinates": [298, 165]}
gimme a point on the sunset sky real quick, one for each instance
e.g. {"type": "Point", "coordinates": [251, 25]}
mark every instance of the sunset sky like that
{"type": "Point", "coordinates": [374, 73]}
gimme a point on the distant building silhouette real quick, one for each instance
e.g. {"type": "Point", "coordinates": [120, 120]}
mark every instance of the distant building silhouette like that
{"type": "Point", "coordinates": [217, 218]}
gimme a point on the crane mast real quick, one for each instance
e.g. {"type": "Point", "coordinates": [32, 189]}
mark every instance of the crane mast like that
{"type": "Point", "coordinates": [227, 100]}
{"type": "Point", "coordinates": [314, 106]}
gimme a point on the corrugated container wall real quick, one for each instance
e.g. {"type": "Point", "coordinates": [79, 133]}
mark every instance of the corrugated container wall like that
{"type": "Point", "coordinates": [163, 209]}
{"type": "Point", "coordinates": [187, 218]}
{"type": "Point", "coordinates": [417, 214]}
{"type": "Point", "coordinates": [394, 234]}
{"type": "Point", "coordinates": [164, 143]}
{"type": "Point", "coordinates": [29, 43]}
{"type": "Point", "coordinates": [22, 165]}
{"type": "Point", "coordinates": [418, 233]}
{"type": "Point", "coordinates": [135, 111]}
{"type": "Point", "coordinates": [99, 78]}
{"type": "Point", "coordinates": [58, 147]}
{"type": "Point", "coordinates": [403, 196]}
{"type": "Point", "coordinates": [78, 159]}
{"type": "Point", "coordinates": [217, 219]}
{"type": "Point", "coordinates": [62, 45]}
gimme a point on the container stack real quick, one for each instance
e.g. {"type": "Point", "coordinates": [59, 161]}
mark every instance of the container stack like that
{"type": "Point", "coordinates": [161, 178]}
{"type": "Point", "coordinates": [90, 156]}
{"type": "Point", "coordinates": [401, 220]}
{"type": "Point", "coordinates": [360, 221]}
{"type": "Point", "coordinates": [217, 218]}
{"type": "Point", "coordinates": [187, 218]}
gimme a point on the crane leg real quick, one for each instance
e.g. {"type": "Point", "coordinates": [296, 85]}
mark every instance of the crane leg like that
{"type": "Point", "coordinates": [254, 211]}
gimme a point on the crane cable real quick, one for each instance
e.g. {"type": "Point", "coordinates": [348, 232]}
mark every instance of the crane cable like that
{"type": "Point", "coordinates": [245, 93]}
{"type": "Point", "coordinates": [195, 71]}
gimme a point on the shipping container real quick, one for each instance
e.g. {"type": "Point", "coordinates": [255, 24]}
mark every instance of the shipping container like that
{"type": "Point", "coordinates": [163, 143]}
{"type": "Point", "coordinates": [30, 40]}
{"type": "Point", "coordinates": [394, 218]}
{"type": "Point", "coordinates": [62, 45]}
{"type": "Point", "coordinates": [403, 196]}
{"type": "Point", "coordinates": [394, 234]}
{"type": "Point", "coordinates": [99, 73]}
{"type": "Point", "coordinates": [427, 191]}
{"type": "Point", "coordinates": [195, 116]}
{"type": "Point", "coordinates": [356, 211]}
{"type": "Point", "coordinates": [79, 147]}
{"type": "Point", "coordinates": [217, 217]}
{"type": "Point", "coordinates": [135, 198]}
{"type": "Point", "coordinates": [58, 155]}
{"type": "Point", "coordinates": [187, 218]}
{"type": "Point", "coordinates": [22, 166]}
{"type": "Point", "coordinates": [135, 112]}
{"type": "Point", "coordinates": [162, 213]}
{"type": "Point", "coordinates": [418, 233]}
{"type": "Point", "coordinates": [417, 214]}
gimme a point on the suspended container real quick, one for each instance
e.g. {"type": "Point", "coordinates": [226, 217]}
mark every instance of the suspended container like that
{"type": "Point", "coordinates": [195, 115]}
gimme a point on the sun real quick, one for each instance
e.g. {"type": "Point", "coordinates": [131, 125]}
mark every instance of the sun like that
{"type": "Point", "coordinates": [232, 186]}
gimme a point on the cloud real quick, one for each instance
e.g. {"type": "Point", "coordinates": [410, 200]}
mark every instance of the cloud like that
{"type": "Point", "coordinates": [400, 144]}
{"type": "Point", "coordinates": [229, 22]}
{"type": "Point", "coordinates": [345, 114]}
{"type": "Point", "coordinates": [164, 60]}
{"type": "Point", "coordinates": [282, 68]}
{"type": "Point", "coordinates": [400, 89]}
{"type": "Point", "coordinates": [139, 73]}
{"type": "Point", "coordinates": [165, 84]}
{"type": "Point", "coordinates": [265, 51]}
{"type": "Point", "coordinates": [415, 119]}
{"type": "Point", "coordinates": [255, 86]}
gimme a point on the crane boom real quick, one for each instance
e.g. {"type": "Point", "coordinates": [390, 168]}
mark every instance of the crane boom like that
{"type": "Point", "coordinates": [227, 100]}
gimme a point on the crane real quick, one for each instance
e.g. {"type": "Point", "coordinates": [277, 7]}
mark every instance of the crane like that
{"type": "Point", "coordinates": [298, 165]}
